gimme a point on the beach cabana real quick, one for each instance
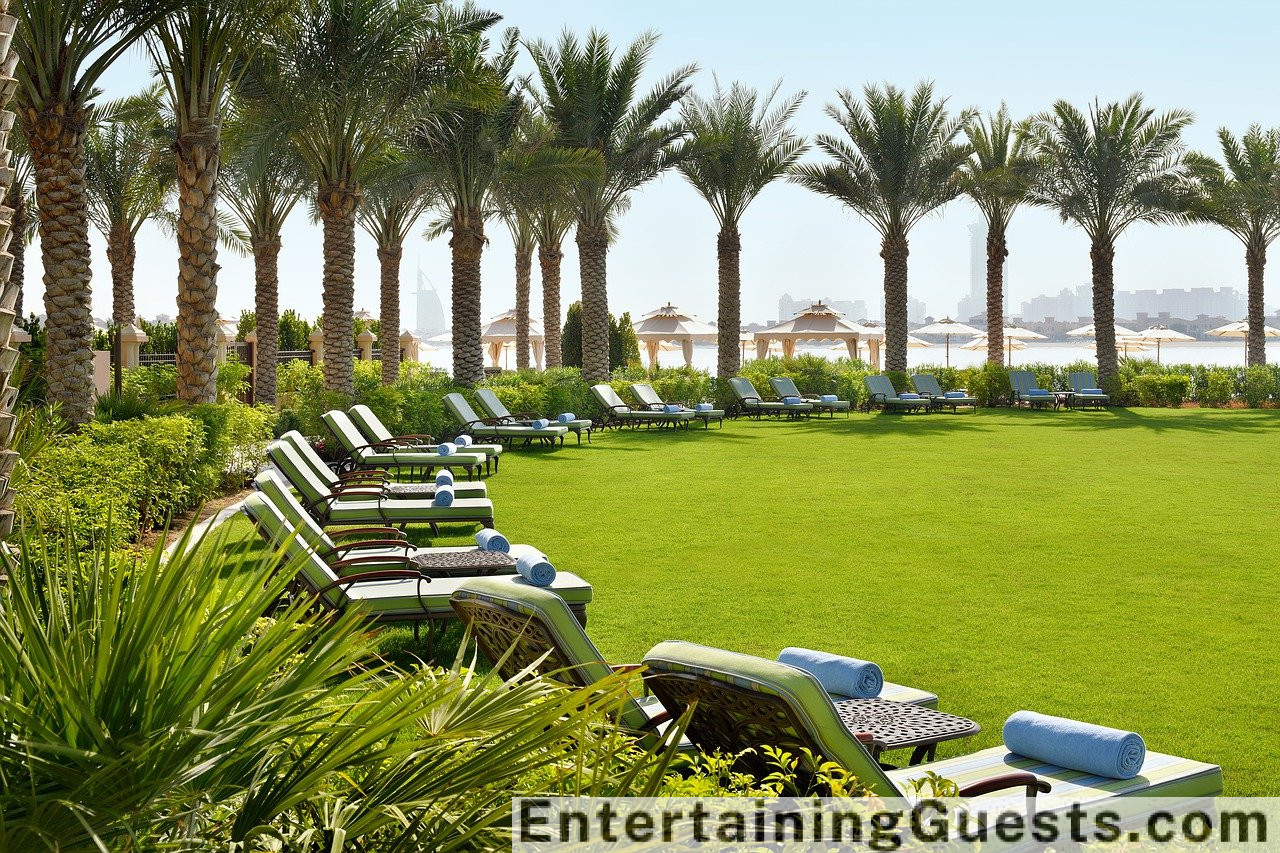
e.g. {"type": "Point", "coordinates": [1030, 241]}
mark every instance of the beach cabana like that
{"type": "Point", "coordinates": [670, 325]}
{"type": "Point", "coordinates": [501, 331]}
{"type": "Point", "coordinates": [819, 323]}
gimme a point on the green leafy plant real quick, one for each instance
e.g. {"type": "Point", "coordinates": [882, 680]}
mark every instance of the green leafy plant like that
{"type": "Point", "coordinates": [1259, 386]}
{"type": "Point", "coordinates": [1217, 389]}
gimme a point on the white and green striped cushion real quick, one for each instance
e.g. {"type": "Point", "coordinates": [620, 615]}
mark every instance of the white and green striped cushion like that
{"type": "Point", "coordinates": [361, 510]}
{"type": "Point", "coordinates": [307, 456]}
{"type": "Point", "coordinates": [374, 430]}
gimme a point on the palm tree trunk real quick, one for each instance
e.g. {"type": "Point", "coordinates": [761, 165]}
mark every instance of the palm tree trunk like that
{"type": "Point", "coordinates": [549, 261]}
{"type": "Point", "coordinates": [18, 248]}
{"type": "Point", "coordinates": [338, 204]}
{"type": "Point", "coordinates": [1256, 342]}
{"type": "Point", "coordinates": [122, 252]}
{"type": "Point", "coordinates": [593, 256]}
{"type": "Point", "coordinates": [389, 311]}
{"type": "Point", "coordinates": [266, 308]}
{"type": "Point", "coordinates": [894, 251]}
{"type": "Point", "coordinates": [467, 244]}
{"type": "Point", "coordinates": [997, 251]}
{"type": "Point", "coordinates": [198, 162]}
{"type": "Point", "coordinates": [1103, 256]}
{"type": "Point", "coordinates": [524, 283]}
{"type": "Point", "coordinates": [729, 319]}
{"type": "Point", "coordinates": [56, 141]}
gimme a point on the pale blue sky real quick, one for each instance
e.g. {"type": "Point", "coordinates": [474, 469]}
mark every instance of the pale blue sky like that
{"type": "Point", "coordinates": [1216, 59]}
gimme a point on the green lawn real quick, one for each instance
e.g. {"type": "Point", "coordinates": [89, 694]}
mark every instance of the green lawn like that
{"type": "Point", "coordinates": [1118, 567]}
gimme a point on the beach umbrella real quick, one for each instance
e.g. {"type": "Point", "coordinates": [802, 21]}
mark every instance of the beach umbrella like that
{"type": "Point", "coordinates": [1159, 333]}
{"type": "Point", "coordinates": [1089, 331]}
{"type": "Point", "coordinates": [442, 338]}
{"type": "Point", "coordinates": [1241, 330]}
{"type": "Point", "coordinates": [669, 324]}
{"type": "Point", "coordinates": [1127, 347]}
{"type": "Point", "coordinates": [501, 330]}
{"type": "Point", "coordinates": [1011, 344]}
{"type": "Point", "coordinates": [948, 327]}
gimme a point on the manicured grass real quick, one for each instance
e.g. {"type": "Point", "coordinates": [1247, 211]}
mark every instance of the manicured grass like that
{"type": "Point", "coordinates": [1118, 567]}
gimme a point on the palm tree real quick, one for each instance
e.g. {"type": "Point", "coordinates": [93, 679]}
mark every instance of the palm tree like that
{"type": "Point", "coordinates": [128, 178]}
{"type": "Point", "coordinates": [997, 177]}
{"type": "Point", "coordinates": [552, 219]}
{"type": "Point", "coordinates": [396, 198]}
{"type": "Point", "coordinates": [199, 52]}
{"type": "Point", "coordinates": [19, 197]}
{"type": "Point", "coordinates": [525, 239]}
{"type": "Point", "coordinates": [590, 95]}
{"type": "Point", "coordinates": [1119, 164]}
{"type": "Point", "coordinates": [899, 163]}
{"type": "Point", "coordinates": [64, 47]}
{"type": "Point", "coordinates": [262, 181]}
{"type": "Point", "coordinates": [1243, 197]}
{"type": "Point", "coordinates": [742, 147]}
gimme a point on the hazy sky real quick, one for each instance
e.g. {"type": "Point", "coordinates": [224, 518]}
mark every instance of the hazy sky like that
{"type": "Point", "coordinates": [1211, 58]}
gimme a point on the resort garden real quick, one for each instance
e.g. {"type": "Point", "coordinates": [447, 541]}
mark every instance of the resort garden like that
{"type": "Point", "coordinates": [312, 601]}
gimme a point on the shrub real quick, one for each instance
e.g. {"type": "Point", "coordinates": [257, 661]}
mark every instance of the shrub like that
{"type": "Point", "coordinates": [1161, 389]}
{"type": "Point", "coordinates": [235, 439]}
{"type": "Point", "coordinates": [1259, 386]}
{"type": "Point", "coordinates": [1217, 389]}
{"type": "Point", "coordinates": [571, 337]}
{"type": "Point", "coordinates": [177, 473]}
{"type": "Point", "coordinates": [989, 384]}
{"type": "Point", "coordinates": [92, 491]}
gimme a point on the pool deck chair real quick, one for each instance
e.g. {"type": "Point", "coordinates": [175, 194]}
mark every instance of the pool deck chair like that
{"type": "Point", "coordinates": [1024, 389]}
{"type": "Point", "coordinates": [742, 702]}
{"type": "Point", "coordinates": [747, 401]}
{"type": "Point", "coordinates": [1085, 391]}
{"type": "Point", "coordinates": [785, 388]}
{"type": "Point", "coordinates": [392, 457]}
{"type": "Point", "coordinates": [494, 408]}
{"type": "Point", "coordinates": [649, 399]}
{"type": "Point", "coordinates": [880, 392]}
{"type": "Point", "coordinates": [615, 413]}
{"type": "Point", "coordinates": [369, 478]}
{"type": "Point", "coordinates": [382, 595]}
{"type": "Point", "coordinates": [926, 385]}
{"type": "Point", "coordinates": [373, 430]}
{"type": "Point", "coordinates": [471, 423]}
{"type": "Point", "coordinates": [366, 503]}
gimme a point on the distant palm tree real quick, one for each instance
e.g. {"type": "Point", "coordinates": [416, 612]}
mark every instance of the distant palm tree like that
{"type": "Point", "coordinates": [742, 146]}
{"type": "Point", "coordinates": [129, 175]}
{"type": "Point", "coordinates": [20, 198]}
{"type": "Point", "coordinates": [1243, 197]}
{"type": "Point", "coordinates": [900, 162]}
{"type": "Point", "coordinates": [591, 95]}
{"type": "Point", "coordinates": [1119, 164]}
{"type": "Point", "coordinates": [524, 237]}
{"type": "Point", "coordinates": [262, 181]}
{"type": "Point", "coordinates": [64, 48]}
{"type": "Point", "coordinates": [997, 176]}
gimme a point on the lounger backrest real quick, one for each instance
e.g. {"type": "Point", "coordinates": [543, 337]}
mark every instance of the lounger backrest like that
{"type": "Point", "coordinates": [880, 385]}
{"type": "Point", "coordinates": [343, 429]}
{"type": "Point", "coordinates": [743, 389]}
{"type": "Point", "coordinates": [608, 397]}
{"type": "Point", "coordinates": [744, 702]}
{"type": "Point", "coordinates": [927, 383]}
{"type": "Point", "coordinates": [274, 489]}
{"type": "Point", "coordinates": [645, 394]}
{"type": "Point", "coordinates": [312, 570]}
{"type": "Point", "coordinates": [307, 454]}
{"type": "Point", "coordinates": [1022, 381]}
{"type": "Point", "coordinates": [784, 386]}
{"type": "Point", "coordinates": [493, 406]}
{"type": "Point", "coordinates": [1081, 380]}
{"type": "Point", "coordinates": [460, 408]}
{"type": "Point", "coordinates": [297, 473]}
{"type": "Point", "coordinates": [370, 425]}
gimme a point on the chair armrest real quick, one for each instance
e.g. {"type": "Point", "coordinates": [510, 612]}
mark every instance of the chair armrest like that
{"type": "Point", "coordinates": [368, 474]}
{"type": "Point", "coordinates": [368, 531]}
{"type": "Point", "coordinates": [357, 490]}
{"type": "Point", "coordinates": [868, 740]}
{"type": "Point", "coordinates": [482, 422]}
{"type": "Point", "coordinates": [363, 544]}
{"type": "Point", "coordinates": [385, 575]}
{"type": "Point", "coordinates": [415, 437]}
{"type": "Point", "coordinates": [374, 559]}
{"type": "Point", "coordinates": [529, 416]}
{"type": "Point", "coordinates": [1030, 781]}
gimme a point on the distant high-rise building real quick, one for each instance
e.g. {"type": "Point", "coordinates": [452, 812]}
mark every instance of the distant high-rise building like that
{"type": "Point", "coordinates": [430, 313]}
{"type": "Point", "coordinates": [788, 307]}
{"type": "Point", "coordinates": [1066, 305]}
{"type": "Point", "coordinates": [1184, 303]}
{"type": "Point", "coordinates": [974, 303]}
{"type": "Point", "coordinates": [916, 310]}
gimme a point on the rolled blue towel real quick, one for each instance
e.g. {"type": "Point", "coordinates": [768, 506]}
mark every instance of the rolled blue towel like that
{"type": "Point", "coordinates": [908, 395]}
{"type": "Point", "coordinates": [444, 496]}
{"type": "Point", "coordinates": [446, 448]}
{"type": "Point", "coordinates": [829, 398]}
{"type": "Point", "coordinates": [463, 441]}
{"type": "Point", "coordinates": [1092, 391]}
{"type": "Point", "coordinates": [1075, 745]}
{"type": "Point", "coordinates": [704, 407]}
{"type": "Point", "coordinates": [536, 569]}
{"type": "Point", "coordinates": [858, 679]}
{"type": "Point", "coordinates": [540, 423]}
{"type": "Point", "coordinates": [566, 418]}
{"type": "Point", "coordinates": [491, 540]}
{"type": "Point", "coordinates": [955, 395]}
{"type": "Point", "coordinates": [444, 478]}
{"type": "Point", "coordinates": [792, 400]}
{"type": "Point", "coordinates": [671, 409]}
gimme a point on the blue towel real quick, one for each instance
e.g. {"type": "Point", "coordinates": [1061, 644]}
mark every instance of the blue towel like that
{"type": "Point", "coordinates": [536, 569]}
{"type": "Point", "coordinates": [444, 478]}
{"type": "Point", "coordinates": [444, 496]}
{"type": "Point", "coordinates": [829, 398]}
{"type": "Point", "coordinates": [704, 407]}
{"type": "Point", "coordinates": [792, 400]}
{"type": "Point", "coordinates": [908, 395]}
{"type": "Point", "coordinates": [566, 418]}
{"type": "Point", "coordinates": [1075, 745]}
{"type": "Point", "coordinates": [463, 441]}
{"type": "Point", "coordinates": [671, 409]}
{"type": "Point", "coordinates": [446, 449]}
{"type": "Point", "coordinates": [955, 395]}
{"type": "Point", "coordinates": [1098, 391]}
{"type": "Point", "coordinates": [859, 679]}
{"type": "Point", "coordinates": [492, 540]}
{"type": "Point", "coordinates": [1038, 392]}
{"type": "Point", "coordinates": [540, 423]}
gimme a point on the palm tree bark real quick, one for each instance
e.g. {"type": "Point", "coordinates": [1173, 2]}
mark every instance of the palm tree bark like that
{"type": "Point", "coordinates": [524, 283]}
{"type": "Point", "coordinates": [338, 204]}
{"type": "Point", "coordinates": [467, 244]}
{"type": "Point", "coordinates": [122, 253]}
{"type": "Point", "coordinates": [997, 251]}
{"type": "Point", "coordinates": [266, 308]}
{"type": "Point", "coordinates": [729, 319]}
{"type": "Point", "coordinates": [894, 251]}
{"type": "Point", "coordinates": [1103, 255]}
{"type": "Point", "coordinates": [389, 311]}
{"type": "Point", "coordinates": [1256, 343]}
{"type": "Point", "coordinates": [593, 249]}
{"type": "Point", "coordinates": [18, 249]}
{"type": "Point", "coordinates": [56, 141]}
{"type": "Point", "coordinates": [198, 163]}
{"type": "Point", "coordinates": [549, 261]}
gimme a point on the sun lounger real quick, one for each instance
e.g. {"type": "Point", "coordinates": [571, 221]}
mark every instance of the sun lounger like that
{"type": "Point", "coordinates": [880, 392]}
{"type": "Point", "coordinates": [392, 457]}
{"type": "Point", "coordinates": [471, 423]}
{"type": "Point", "coordinates": [375, 432]}
{"type": "Point", "coordinates": [926, 384]}
{"type": "Point", "coordinates": [747, 401]}
{"type": "Point", "coordinates": [616, 413]}
{"type": "Point", "coordinates": [1025, 389]}
{"type": "Point", "coordinates": [785, 388]}
{"type": "Point", "coordinates": [649, 399]}
{"type": "Point", "coordinates": [1085, 391]}
{"type": "Point", "coordinates": [494, 408]}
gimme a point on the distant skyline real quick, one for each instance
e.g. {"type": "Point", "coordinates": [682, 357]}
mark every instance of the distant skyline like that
{"type": "Point", "coordinates": [796, 242]}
